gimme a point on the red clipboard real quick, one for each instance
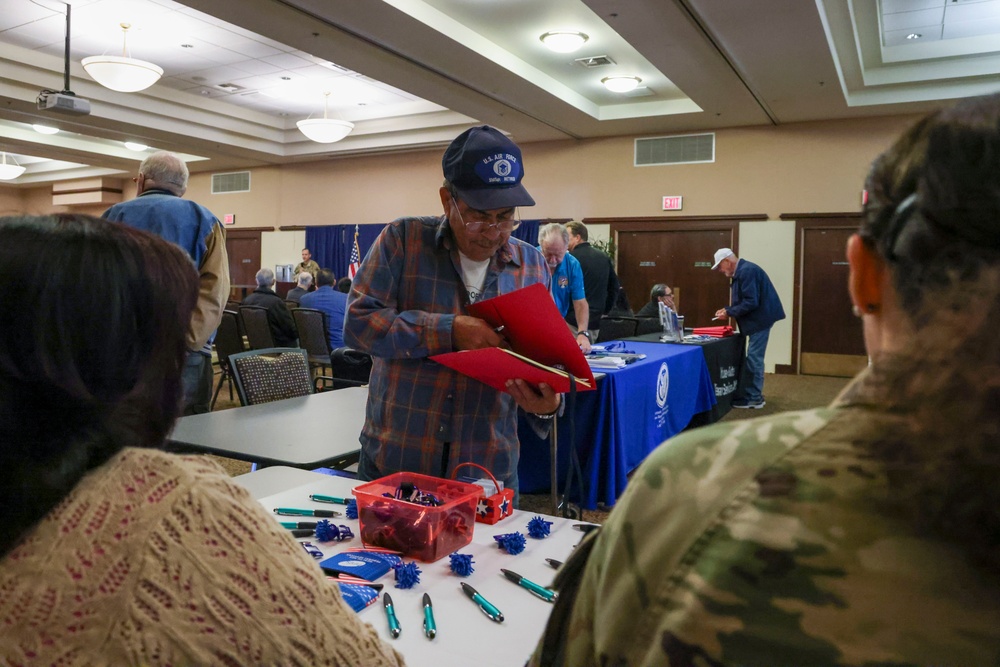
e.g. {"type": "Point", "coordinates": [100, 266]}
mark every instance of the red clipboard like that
{"type": "Point", "coordinates": [542, 347]}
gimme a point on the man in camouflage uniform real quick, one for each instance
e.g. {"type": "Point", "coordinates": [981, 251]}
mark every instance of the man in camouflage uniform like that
{"type": "Point", "coordinates": [765, 542]}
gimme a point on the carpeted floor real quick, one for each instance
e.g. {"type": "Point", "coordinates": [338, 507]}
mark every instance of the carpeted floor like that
{"type": "Point", "coordinates": [783, 393]}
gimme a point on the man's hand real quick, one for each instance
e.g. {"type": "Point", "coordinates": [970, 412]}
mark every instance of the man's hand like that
{"type": "Point", "coordinates": [472, 333]}
{"type": "Point", "coordinates": [721, 314]}
{"type": "Point", "coordinates": [583, 342]}
{"type": "Point", "coordinates": [540, 400]}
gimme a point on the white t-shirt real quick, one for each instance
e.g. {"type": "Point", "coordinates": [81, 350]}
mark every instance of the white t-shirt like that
{"type": "Point", "coordinates": [474, 276]}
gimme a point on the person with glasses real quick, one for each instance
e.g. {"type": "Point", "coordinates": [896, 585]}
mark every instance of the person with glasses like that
{"type": "Point", "coordinates": [567, 286]}
{"type": "Point", "coordinates": [408, 302]}
{"type": "Point", "coordinates": [661, 293]}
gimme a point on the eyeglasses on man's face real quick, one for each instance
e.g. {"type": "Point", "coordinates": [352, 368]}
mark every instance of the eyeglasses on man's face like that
{"type": "Point", "coordinates": [476, 221]}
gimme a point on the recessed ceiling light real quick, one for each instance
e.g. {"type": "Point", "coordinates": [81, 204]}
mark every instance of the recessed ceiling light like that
{"type": "Point", "coordinates": [914, 35]}
{"type": "Point", "coordinates": [187, 46]}
{"type": "Point", "coordinates": [45, 129]}
{"type": "Point", "coordinates": [564, 41]}
{"type": "Point", "coordinates": [134, 146]}
{"type": "Point", "coordinates": [621, 84]}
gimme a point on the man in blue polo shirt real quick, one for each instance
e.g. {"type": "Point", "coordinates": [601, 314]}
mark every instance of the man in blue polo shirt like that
{"type": "Point", "coordinates": [567, 279]}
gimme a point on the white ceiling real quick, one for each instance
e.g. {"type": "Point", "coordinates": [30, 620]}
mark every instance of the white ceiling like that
{"type": "Point", "coordinates": [414, 73]}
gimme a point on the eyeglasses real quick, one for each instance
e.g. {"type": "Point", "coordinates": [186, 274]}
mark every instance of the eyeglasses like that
{"type": "Point", "coordinates": [476, 221]}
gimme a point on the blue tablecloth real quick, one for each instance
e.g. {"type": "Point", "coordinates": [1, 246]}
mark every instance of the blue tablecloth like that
{"type": "Point", "coordinates": [632, 411]}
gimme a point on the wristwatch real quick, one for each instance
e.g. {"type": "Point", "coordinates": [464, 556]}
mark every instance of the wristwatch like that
{"type": "Point", "coordinates": [583, 333]}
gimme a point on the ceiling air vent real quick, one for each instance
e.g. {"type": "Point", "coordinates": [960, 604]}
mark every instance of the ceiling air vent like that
{"type": "Point", "coordinates": [237, 181]}
{"type": "Point", "coordinates": [683, 149]}
{"type": "Point", "coordinates": [595, 61]}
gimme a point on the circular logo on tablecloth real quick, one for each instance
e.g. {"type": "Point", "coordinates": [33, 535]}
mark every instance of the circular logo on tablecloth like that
{"type": "Point", "coordinates": [662, 383]}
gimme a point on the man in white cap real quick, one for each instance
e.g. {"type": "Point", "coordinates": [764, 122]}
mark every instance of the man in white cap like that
{"type": "Point", "coordinates": [756, 307]}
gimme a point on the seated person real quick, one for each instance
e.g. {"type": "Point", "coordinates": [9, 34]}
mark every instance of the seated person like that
{"type": "Point", "coordinates": [113, 552]}
{"type": "Point", "coordinates": [332, 303]}
{"type": "Point", "coordinates": [864, 533]}
{"type": "Point", "coordinates": [344, 285]}
{"type": "Point", "coordinates": [303, 282]}
{"type": "Point", "coordinates": [278, 315]}
{"type": "Point", "coordinates": [661, 293]}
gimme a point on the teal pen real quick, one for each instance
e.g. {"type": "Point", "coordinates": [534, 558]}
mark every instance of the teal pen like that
{"type": "Point", "coordinates": [292, 511]}
{"type": "Point", "coordinates": [541, 591]}
{"type": "Point", "coordinates": [390, 613]}
{"type": "Point", "coordinates": [298, 524]}
{"type": "Point", "coordinates": [327, 499]}
{"type": "Point", "coordinates": [430, 629]}
{"type": "Point", "coordinates": [488, 609]}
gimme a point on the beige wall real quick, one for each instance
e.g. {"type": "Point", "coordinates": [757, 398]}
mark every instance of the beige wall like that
{"type": "Point", "coordinates": [804, 167]}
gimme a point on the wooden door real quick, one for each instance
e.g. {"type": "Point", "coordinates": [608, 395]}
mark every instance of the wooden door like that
{"type": "Point", "coordinates": [680, 255]}
{"type": "Point", "coordinates": [243, 247]}
{"type": "Point", "coordinates": [830, 337]}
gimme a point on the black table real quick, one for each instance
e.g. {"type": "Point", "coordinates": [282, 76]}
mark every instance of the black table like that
{"type": "Point", "coordinates": [724, 358]}
{"type": "Point", "coordinates": [303, 432]}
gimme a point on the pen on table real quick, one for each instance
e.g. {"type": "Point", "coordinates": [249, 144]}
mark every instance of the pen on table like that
{"type": "Point", "coordinates": [540, 591]}
{"type": "Point", "coordinates": [302, 532]}
{"type": "Point", "coordinates": [291, 511]}
{"type": "Point", "coordinates": [315, 497]}
{"type": "Point", "coordinates": [430, 629]}
{"type": "Point", "coordinates": [390, 613]}
{"type": "Point", "coordinates": [488, 609]}
{"type": "Point", "coordinates": [584, 527]}
{"type": "Point", "coordinates": [556, 564]}
{"type": "Point", "coordinates": [298, 524]}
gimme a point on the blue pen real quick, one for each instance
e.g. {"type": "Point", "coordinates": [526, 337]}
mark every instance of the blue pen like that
{"type": "Point", "coordinates": [488, 609]}
{"type": "Point", "coordinates": [540, 591]}
{"type": "Point", "coordinates": [390, 613]}
{"type": "Point", "coordinates": [430, 628]}
{"type": "Point", "coordinates": [315, 497]}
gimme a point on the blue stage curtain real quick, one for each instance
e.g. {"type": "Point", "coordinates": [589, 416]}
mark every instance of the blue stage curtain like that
{"type": "Point", "coordinates": [527, 231]}
{"type": "Point", "coordinates": [331, 244]}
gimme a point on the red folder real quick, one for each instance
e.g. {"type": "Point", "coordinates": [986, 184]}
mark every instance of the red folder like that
{"type": "Point", "coordinates": [716, 332]}
{"type": "Point", "coordinates": [542, 347]}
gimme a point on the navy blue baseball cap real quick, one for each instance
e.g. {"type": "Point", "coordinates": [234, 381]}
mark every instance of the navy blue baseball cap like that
{"type": "Point", "coordinates": [485, 169]}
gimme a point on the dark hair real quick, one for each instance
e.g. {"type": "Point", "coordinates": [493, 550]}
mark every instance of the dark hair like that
{"type": "Point", "coordinates": [933, 215]}
{"type": "Point", "coordinates": [577, 229]}
{"type": "Point", "coordinates": [325, 277]}
{"type": "Point", "coordinates": [344, 285]}
{"type": "Point", "coordinates": [91, 353]}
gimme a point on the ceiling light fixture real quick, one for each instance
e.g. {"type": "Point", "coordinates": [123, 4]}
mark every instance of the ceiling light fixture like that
{"type": "Point", "coordinates": [122, 73]}
{"type": "Point", "coordinates": [45, 129]}
{"type": "Point", "coordinates": [325, 130]}
{"type": "Point", "coordinates": [621, 84]}
{"type": "Point", "coordinates": [564, 41]}
{"type": "Point", "coordinates": [135, 146]}
{"type": "Point", "coordinates": [9, 170]}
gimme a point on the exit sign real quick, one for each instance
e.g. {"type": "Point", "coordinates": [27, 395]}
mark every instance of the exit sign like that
{"type": "Point", "coordinates": [672, 203]}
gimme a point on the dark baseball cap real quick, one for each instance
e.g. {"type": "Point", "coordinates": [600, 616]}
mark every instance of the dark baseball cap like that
{"type": "Point", "coordinates": [485, 169]}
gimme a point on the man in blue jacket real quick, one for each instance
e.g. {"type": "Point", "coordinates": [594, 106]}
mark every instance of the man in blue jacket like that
{"type": "Point", "coordinates": [756, 307]}
{"type": "Point", "coordinates": [332, 302]}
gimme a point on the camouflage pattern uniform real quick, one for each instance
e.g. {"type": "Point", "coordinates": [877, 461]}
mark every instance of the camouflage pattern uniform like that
{"type": "Point", "coordinates": [765, 542]}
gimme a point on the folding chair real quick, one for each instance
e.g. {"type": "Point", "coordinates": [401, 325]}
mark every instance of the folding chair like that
{"type": "Point", "coordinates": [313, 335]}
{"type": "Point", "coordinates": [257, 327]}
{"type": "Point", "coordinates": [272, 374]}
{"type": "Point", "coordinates": [228, 341]}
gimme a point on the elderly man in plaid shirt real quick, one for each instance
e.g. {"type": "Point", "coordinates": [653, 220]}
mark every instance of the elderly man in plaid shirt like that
{"type": "Point", "coordinates": [408, 302]}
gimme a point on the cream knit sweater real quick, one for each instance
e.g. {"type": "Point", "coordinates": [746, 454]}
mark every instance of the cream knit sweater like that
{"type": "Point", "coordinates": [156, 559]}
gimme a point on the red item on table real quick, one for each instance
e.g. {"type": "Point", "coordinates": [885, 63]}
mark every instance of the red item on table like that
{"type": "Point", "coordinates": [715, 332]}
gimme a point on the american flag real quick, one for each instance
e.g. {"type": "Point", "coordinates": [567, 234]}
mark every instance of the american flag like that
{"type": "Point", "coordinates": [355, 256]}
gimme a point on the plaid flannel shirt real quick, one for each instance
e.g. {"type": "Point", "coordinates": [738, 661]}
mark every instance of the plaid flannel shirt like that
{"type": "Point", "coordinates": [401, 309]}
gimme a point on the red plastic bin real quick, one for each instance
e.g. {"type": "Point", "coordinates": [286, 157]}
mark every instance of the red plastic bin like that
{"type": "Point", "coordinates": [418, 531]}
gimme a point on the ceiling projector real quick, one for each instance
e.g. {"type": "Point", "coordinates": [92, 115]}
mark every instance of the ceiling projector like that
{"type": "Point", "coordinates": [68, 104]}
